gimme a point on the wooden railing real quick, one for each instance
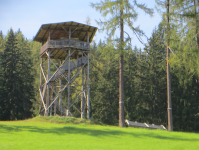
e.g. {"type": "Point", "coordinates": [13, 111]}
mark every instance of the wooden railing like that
{"type": "Point", "coordinates": [65, 43]}
{"type": "Point", "coordinates": [44, 47]}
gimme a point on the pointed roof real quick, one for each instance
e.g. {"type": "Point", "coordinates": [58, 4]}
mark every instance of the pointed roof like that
{"type": "Point", "coordinates": [60, 31]}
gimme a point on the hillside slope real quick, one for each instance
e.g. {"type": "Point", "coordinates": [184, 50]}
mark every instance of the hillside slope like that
{"type": "Point", "coordinates": [37, 134]}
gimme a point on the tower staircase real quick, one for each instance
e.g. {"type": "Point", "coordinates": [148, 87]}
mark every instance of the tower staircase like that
{"type": "Point", "coordinates": [63, 69]}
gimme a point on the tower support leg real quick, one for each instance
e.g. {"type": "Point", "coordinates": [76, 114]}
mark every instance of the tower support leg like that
{"type": "Point", "coordinates": [55, 105]}
{"type": "Point", "coordinates": [82, 98]}
{"type": "Point", "coordinates": [88, 92]}
{"type": "Point", "coordinates": [41, 80]}
{"type": "Point", "coordinates": [48, 87]}
{"type": "Point", "coordinates": [60, 96]}
{"type": "Point", "coordinates": [68, 111]}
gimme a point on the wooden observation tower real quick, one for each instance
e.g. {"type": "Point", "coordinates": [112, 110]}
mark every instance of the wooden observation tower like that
{"type": "Point", "coordinates": [64, 67]}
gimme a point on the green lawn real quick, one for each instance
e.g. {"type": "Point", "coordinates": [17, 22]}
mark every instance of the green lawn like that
{"type": "Point", "coordinates": [34, 135]}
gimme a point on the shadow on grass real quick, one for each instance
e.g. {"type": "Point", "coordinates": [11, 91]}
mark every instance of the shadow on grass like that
{"type": "Point", "coordinates": [91, 132]}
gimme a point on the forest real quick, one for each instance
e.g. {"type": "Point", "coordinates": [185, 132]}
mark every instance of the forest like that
{"type": "Point", "coordinates": [144, 70]}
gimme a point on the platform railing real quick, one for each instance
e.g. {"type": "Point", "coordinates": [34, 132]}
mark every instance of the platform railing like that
{"type": "Point", "coordinates": [65, 43]}
{"type": "Point", "coordinates": [44, 47]}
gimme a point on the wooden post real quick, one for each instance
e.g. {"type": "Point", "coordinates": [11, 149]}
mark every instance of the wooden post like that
{"type": "Point", "coordinates": [69, 76]}
{"type": "Point", "coordinates": [82, 100]}
{"type": "Point", "coordinates": [55, 105]}
{"type": "Point", "coordinates": [41, 81]}
{"type": "Point", "coordinates": [48, 88]}
{"type": "Point", "coordinates": [169, 107]}
{"type": "Point", "coordinates": [69, 32]}
{"type": "Point", "coordinates": [51, 110]}
{"type": "Point", "coordinates": [88, 37]}
{"type": "Point", "coordinates": [60, 96]}
{"type": "Point", "coordinates": [68, 85]}
{"type": "Point", "coordinates": [49, 35]}
{"type": "Point", "coordinates": [88, 92]}
{"type": "Point", "coordinates": [68, 111]}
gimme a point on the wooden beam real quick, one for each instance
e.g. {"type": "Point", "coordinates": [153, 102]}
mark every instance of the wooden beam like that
{"type": "Point", "coordinates": [52, 88]}
{"type": "Point", "coordinates": [42, 99]}
{"type": "Point", "coordinates": [60, 31]}
{"type": "Point", "coordinates": [70, 33]}
{"type": "Point", "coordinates": [48, 88]}
{"type": "Point", "coordinates": [56, 53]}
{"type": "Point", "coordinates": [44, 89]}
{"type": "Point", "coordinates": [45, 33]}
{"type": "Point", "coordinates": [88, 91]}
{"type": "Point", "coordinates": [43, 73]}
{"type": "Point", "coordinates": [60, 55]}
{"type": "Point", "coordinates": [51, 93]}
{"type": "Point", "coordinates": [41, 80]}
{"type": "Point", "coordinates": [86, 33]}
{"type": "Point", "coordinates": [76, 109]}
{"type": "Point", "coordinates": [66, 31]}
{"type": "Point", "coordinates": [69, 81]}
{"type": "Point", "coordinates": [53, 52]}
{"type": "Point", "coordinates": [60, 96]}
{"type": "Point", "coordinates": [73, 26]}
{"type": "Point", "coordinates": [54, 31]}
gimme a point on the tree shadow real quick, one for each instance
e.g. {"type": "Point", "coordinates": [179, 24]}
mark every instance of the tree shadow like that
{"type": "Point", "coordinates": [72, 129]}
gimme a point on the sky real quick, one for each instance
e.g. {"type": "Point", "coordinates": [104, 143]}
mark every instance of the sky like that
{"type": "Point", "coordinates": [29, 15]}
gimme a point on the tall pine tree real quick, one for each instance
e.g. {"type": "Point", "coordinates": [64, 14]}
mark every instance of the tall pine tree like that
{"type": "Point", "coordinates": [15, 90]}
{"type": "Point", "coordinates": [122, 12]}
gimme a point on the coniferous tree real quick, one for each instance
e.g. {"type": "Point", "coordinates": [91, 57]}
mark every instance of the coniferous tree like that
{"type": "Point", "coordinates": [35, 52]}
{"type": "Point", "coordinates": [27, 73]}
{"type": "Point", "coordinates": [132, 83]}
{"type": "Point", "coordinates": [185, 18]}
{"type": "Point", "coordinates": [104, 81]}
{"type": "Point", "coordinates": [1, 41]}
{"type": "Point", "coordinates": [121, 11]}
{"type": "Point", "coordinates": [166, 19]}
{"type": "Point", "coordinates": [185, 100]}
{"type": "Point", "coordinates": [9, 74]}
{"type": "Point", "coordinates": [156, 81]}
{"type": "Point", "coordinates": [16, 90]}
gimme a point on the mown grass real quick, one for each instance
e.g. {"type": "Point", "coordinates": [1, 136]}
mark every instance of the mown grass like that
{"type": "Point", "coordinates": [72, 133]}
{"type": "Point", "coordinates": [65, 120]}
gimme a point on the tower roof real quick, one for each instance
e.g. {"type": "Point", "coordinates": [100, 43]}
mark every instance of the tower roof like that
{"type": "Point", "coordinates": [60, 31]}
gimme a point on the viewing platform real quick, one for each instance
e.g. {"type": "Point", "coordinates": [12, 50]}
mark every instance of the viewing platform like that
{"type": "Point", "coordinates": [65, 43]}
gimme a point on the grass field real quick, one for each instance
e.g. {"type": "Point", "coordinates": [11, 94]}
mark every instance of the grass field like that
{"type": "Point", "coordinates": [38, 133]}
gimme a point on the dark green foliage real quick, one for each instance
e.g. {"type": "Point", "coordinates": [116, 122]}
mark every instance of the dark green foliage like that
{"type": "Point", "coordinates": [147, 100]}
{"type": "Point", "coordinates": [16, 90]}
{"type": "Point", "coordinates": [145, 86]}
{"type": "Point", "coordinates": [145, 71]}
{"type": "Point", "coordinates": [27, 73]}
{"type": "Point", "coordinates": [104, 85]}
{"type": "Point", "coordinates": [185, 97]}
{"type": "Point", "coordinates": [35, 56]}
{"type": "Point", "coordinates": [155, 83]}
{"type": "Point", "coordinates": [145, 82]}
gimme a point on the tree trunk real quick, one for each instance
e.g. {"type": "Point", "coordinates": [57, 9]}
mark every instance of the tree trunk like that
{"type": "Point", "coordinates": [121, 79]}
{"type": "Point", "coordinates": [196, 24]}
{"type": "Point", "coordinates": [169, 108]}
